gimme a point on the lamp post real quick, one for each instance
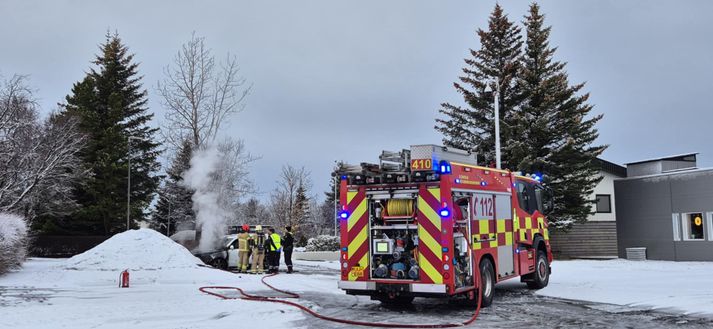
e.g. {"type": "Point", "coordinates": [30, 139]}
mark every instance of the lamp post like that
{"type": "Point", "coordinates": [336, 218]}
{"type": "Point", "coordinates": [496, 95]}
{"type": "Point", "coordinates": [128, 182]}
{"type": "Point", "coordinates": [168, 221]}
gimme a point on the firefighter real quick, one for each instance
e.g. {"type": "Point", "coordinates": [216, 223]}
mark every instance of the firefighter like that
{"type": "Point", "coordinates": [287, 244]}
{"type": "Point", "coordinates": [243, 248]}
{"type": "Point", "coordinates": [275, 247]}
{"type": "Point", "coordinates": [258, 251]}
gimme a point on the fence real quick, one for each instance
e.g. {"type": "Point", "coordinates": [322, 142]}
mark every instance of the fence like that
{"type": "Point", "coordinates": [60, 246]}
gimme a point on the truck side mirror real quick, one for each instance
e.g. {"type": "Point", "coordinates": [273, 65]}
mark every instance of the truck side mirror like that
{"type": "Point", "coordinates": [231, 247]}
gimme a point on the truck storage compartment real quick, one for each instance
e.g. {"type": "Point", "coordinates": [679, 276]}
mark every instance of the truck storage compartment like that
{"type": "Point", "coordinates": [393, 237]}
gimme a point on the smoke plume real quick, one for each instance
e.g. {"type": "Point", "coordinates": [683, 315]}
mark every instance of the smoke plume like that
{"type": "Point", "coordinates": [210, 216]}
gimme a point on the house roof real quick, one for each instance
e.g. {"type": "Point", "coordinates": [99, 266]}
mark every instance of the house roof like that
{"type": "Point", "coordinates": [676, 157]}
{"type": "Point", "coordinates": [611, 167]}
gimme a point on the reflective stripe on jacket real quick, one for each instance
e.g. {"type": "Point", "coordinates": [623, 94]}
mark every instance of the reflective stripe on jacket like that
{"type": "Point", "coordinates": [243, 241]}
{"type": "Point", "coordinates": [276, 243]}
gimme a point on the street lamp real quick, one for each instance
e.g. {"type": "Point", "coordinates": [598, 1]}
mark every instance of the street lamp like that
{"type": "Point", "coordinates": [128, 181]}
{"type": "Point", "coordinates": [168, 222]}
{"type": "Point", "coordinates": [336, 219]}
{"type": "Point", "coordinates": [496, 95]}
{"type": "Point", "coordinates": [336, 181]}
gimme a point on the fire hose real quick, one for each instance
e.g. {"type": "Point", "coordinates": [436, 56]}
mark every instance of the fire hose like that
{"type": "Point", "coordinates": [247, 296]}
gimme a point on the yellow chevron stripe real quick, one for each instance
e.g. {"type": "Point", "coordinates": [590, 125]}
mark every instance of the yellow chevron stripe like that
{"type": "Point", "coordinates": [357, 242]}
{"type": "Point", "coordinates": [363, 262]}
{"type": "Point", "coordinates": [354, 217]}
{"type": "Point", "coordinates": [430, 242]}
{"type": "Point", "coordinates": [351, 195]}
{"type": "Point", "coordinates": [436, 192]}
{"type": "Point", "coordinates": [431, 214]}
{"type": "Point", "coordinates": [429, 270]}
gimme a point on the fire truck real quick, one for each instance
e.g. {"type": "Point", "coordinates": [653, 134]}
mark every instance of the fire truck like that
{"type": "Point", "coordinates": [425, 220]}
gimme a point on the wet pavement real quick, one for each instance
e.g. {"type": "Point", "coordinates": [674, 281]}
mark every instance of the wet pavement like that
{"type": "Point", "coordinates": [513, 306]}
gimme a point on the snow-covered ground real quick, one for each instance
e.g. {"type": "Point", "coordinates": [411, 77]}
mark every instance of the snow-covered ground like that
{"type": "Point", "coordinates": [675, 287]}
{"type": "Point", "coordinates": [83, 292]}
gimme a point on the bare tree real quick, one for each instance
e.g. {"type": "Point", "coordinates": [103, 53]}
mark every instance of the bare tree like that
{"type": "Point", "coordinates": [231, 178]}
{"type": "Point", "coordinates": [37, 159]}
{"type": "Point", "coordinates": [200, 94]}
{"type": "Point", "coordinates": [284, 199]}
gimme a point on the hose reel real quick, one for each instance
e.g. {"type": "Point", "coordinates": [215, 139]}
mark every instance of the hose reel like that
{"type": "Point", "coordinates": [400, 207]}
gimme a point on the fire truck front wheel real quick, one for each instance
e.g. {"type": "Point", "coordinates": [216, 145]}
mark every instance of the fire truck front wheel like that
{"type": "Point", "coordinates": [541, 277]}
{"type": "Point", "coordinates": [487, 283]}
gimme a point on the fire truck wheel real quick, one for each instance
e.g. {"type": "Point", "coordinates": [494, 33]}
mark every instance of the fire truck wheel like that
{"type": "Point", "coordinates": [541, 277]}
{"type": "Point", "coordinates": [487, 283]}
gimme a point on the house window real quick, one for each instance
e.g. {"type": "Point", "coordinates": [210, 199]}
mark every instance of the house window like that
{"type": "Point", "coordinates": [693, 226]}
{"type": "Point", "coordinates": [603, 203]}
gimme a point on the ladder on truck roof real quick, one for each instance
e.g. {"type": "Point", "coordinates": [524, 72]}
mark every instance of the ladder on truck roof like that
{"type": "Point", "coordinates": [395, 167]}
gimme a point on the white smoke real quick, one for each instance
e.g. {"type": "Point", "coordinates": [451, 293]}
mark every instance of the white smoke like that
{"type": "Point", "coordinates": [211, 218]}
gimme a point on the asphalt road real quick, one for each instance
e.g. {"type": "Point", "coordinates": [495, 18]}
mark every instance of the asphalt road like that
{"type": "Point", "coordinates": [513, 306]}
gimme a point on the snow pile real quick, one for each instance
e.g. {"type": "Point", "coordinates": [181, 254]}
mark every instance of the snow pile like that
{"type": "Point", "coordinates": [142, 249]}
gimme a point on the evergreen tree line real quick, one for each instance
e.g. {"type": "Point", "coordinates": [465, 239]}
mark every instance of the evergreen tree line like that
{"type": "Point", "coordinates": [74, 173]}
{"type": "Point", "coordinates": [546, 125]}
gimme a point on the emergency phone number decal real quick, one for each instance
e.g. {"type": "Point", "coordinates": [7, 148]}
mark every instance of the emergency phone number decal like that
{"type": "Point", "coordinates": [421, 164]}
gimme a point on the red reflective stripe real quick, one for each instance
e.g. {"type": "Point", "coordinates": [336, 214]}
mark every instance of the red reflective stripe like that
{"type": "Point", "coordinates": [356, 201]}
{"type": "Point", "coordinates": [357, 228]}
{"type": "Point", "coordinates": [359, 254]}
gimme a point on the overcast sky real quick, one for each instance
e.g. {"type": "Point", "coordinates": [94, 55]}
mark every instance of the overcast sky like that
{"type": "Point", "coordinates": [344, 80]}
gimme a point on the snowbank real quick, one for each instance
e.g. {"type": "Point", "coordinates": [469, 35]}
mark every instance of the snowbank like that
{"type": "Point", "coordinates": [142, 249]}
{"type": "Point", "coordinates": [676, 287]}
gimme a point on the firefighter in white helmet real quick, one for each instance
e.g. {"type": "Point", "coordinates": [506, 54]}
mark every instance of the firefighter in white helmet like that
{"type": "Point", "coordinates": [258, 248]}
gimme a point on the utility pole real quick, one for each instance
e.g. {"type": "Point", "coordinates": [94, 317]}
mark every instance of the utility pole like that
{"type": "Point", "coordinates": [168, 221]}
{"type": "Point", "coordinates": [336, 217]}
{"type": "Point", "coordinates": [496, 95]}
{"type": "Point", "coordinates": [128, 183]}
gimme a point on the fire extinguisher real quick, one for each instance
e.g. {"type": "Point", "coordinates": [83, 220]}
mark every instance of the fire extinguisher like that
{"type": "Point", "coordinates": [124, 279]}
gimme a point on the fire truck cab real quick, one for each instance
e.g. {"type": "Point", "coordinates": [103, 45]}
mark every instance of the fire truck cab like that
{"type": "Point", "coordinates": [425, 221]}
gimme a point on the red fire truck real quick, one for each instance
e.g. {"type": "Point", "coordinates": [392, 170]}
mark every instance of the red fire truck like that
{"type": "Point", "coordinates": [425, 220]}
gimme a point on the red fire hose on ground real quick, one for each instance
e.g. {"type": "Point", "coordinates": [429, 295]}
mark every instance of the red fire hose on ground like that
{"type": "Point", "coordinates": [305, 309]}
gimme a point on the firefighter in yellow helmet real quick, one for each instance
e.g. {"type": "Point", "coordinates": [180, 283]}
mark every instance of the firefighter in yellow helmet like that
{"type": "Point", "coordinates": [275, 248]}
{"type": "Point", "coordinates": [258, 249]}
{"type": "Point", "coordinates": [243, 248]}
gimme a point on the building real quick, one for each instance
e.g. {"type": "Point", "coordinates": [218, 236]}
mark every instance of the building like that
{"type": "Point", "coordinates": [597, 237]}
{"type": "Point", "coordinates": [666, 206]}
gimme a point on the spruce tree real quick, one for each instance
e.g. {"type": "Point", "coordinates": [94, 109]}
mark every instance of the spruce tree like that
{"type": "Point", "coordinates": [471, 127]}
{"type": "Point", "coordinates": [300, 214]}
{"type": "Point", "coordinates": [555, 127]}
{"type": "Point", "coordinates": [175, 206]}
{"type": "Point", "coordinates": [111, 107]}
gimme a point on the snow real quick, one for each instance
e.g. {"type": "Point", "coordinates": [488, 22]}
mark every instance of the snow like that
{"type": "Point", "coordinates": [83, 293]}
{"type": "Point", "coordinates": [142, 249]}
{"type": "Point", "coordinates": [675, 287]}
